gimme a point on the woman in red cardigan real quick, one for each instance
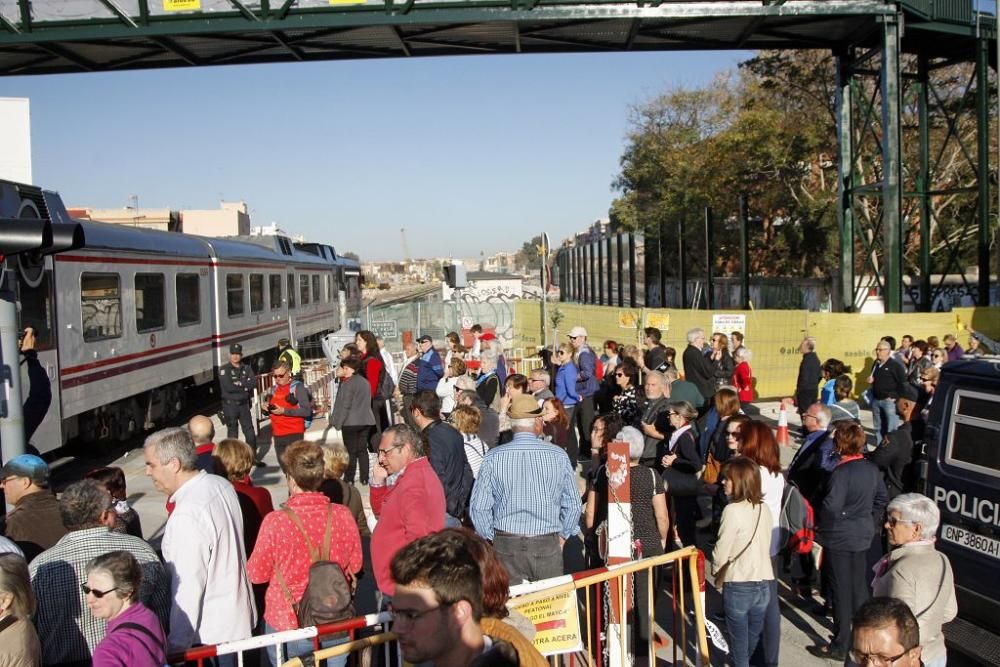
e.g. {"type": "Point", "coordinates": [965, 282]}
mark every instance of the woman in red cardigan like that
{"type": "Point", "coordinates": [371, 370]}
{"type": "Point", "coordinates": [743, 376]}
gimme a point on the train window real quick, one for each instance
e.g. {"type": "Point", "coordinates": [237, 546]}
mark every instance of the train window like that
{"type": "Point", "coordinates": [36, 309]}
{"type": "Point", "coordinates": [234, 294]}
{"type": "Point", "coordinates": [329, 288]}
{"type": "Point", "coordinates": [274, 283]}
{"type": "Point", "coordinates": [291, 291]}
{"type": "Point", "coordinates": [256, 292]}
{"type": "Point", "coordinates": [101, 306]}
{"type": "Point", "coordinates": [150, 298]}
{"type": "Point", "coordinates": [974, 431]}
{"type": "Point", "coordinates": [188, 292]}
{"type": "Point", "coordinates": [315, 282]}
{"type": "Point", "coordinates": [304, 290]}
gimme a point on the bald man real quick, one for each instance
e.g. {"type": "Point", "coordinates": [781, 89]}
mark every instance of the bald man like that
{"type": "Point", "coordinates": [202, 431]}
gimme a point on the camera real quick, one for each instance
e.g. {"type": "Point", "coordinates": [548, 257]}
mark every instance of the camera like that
{"type": "Point", "coordinates": [271, 407]}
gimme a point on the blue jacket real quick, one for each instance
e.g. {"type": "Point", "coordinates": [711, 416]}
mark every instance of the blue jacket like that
{"type": "Point", "coordinates": [586, 378]}
{"type": "Point", "coordinates": [566, 384]}
{"type": "Point", "coordinates": [430, 371]}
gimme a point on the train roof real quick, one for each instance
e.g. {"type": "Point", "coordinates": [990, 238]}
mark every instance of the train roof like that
{"type": "Point", "coordinates": [109, 236]}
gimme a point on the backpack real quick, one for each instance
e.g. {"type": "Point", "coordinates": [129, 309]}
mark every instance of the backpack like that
{"type": "Point", "coordinates": [309, 397]}
{"type": "Point", "coordinates": [386, 387]}
{"type": "Point", "coordinates": [797, 522]}
{"type": "Point", "coordinates": [329, 594]}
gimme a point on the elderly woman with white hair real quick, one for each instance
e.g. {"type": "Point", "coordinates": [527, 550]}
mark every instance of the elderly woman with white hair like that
{"type": "Point", "coordinates": [649, 518]}
{"type": "Point", "coordinates": [917, 573]}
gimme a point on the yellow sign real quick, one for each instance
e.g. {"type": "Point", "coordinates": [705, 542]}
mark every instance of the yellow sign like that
{"type": "Point", "coordinates": [627, 319]}
{"type": "Point", "coordinates": [557, 626]}
{"type": "Point", "coordinates": [347, 2]}
{"type": "Point", "coordinates": [181, 5]}
{"type": "Point", "coordinates": [659, 320]}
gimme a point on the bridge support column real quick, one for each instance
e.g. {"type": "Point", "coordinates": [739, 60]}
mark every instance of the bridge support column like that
{"type": "Point", "coordinates": [892, 165]}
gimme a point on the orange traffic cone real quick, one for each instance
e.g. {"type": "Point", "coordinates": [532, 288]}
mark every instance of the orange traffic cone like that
{"type": "Point", "coordinates": [782, 434]}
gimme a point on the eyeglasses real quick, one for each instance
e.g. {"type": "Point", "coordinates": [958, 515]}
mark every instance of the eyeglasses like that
{"type": "Point", "coordinates": [385, 452]}
{"type": "Point", "coordinates": [733, 434]}
{"type": "Point", "coordinates": [810, 416]}
{"type": "Point", "coordinates": [87, 590]}
{"type": "Point", "coordinates": [891, 521]}
{"type": "Point", "coordinates": [280, 376]}
{"type": "Point", "coordinates": [620, 375]}
{"type": "Point", "coordinates": [858, 658]}
{"type": "Point", "coordinates": [411, 616]}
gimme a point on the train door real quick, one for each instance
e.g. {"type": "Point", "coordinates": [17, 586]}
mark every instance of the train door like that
{"type": "Point", "coordinates": [40, 375]}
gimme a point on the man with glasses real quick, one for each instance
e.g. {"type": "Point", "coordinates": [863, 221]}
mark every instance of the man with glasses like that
{"type": "Point", "coordinates": [406, 496]}
{"type": "Point", "coordinates": [438, 609]}
{"type": "Point", "coordinates": [888, 382]}
{"type": "Point", "coordinates": [67, 631]}
{"type": "Point", "coordinates": [35, 523]}
{"type": "Point", "coordinates": [884, 633]}
{"type": "Point", "coordinates": [288, 408]}
{"type": "Point", "coordinates": [538, 385]}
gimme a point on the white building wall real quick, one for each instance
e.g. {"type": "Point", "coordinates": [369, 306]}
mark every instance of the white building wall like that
{"type": "Point", "coordinates": [15, 140]}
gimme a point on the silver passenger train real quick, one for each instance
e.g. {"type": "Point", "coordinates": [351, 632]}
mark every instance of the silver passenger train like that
{"type": "Point", "coordinates": [132, 320]}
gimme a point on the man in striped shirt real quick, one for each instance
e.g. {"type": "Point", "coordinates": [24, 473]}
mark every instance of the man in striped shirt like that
{"type": "Point", "coordinates": [525, 498]}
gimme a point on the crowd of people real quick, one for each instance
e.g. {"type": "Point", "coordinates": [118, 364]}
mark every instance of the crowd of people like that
{"type": "Point", "coordinates": [475, 474]}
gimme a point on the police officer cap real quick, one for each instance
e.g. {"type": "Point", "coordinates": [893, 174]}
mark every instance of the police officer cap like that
{"type": "Point", "coordinates": [235, 348]}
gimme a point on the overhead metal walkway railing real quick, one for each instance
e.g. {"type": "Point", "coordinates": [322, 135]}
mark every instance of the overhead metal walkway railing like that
{"type": "Point", "coordinates": [54, 36]}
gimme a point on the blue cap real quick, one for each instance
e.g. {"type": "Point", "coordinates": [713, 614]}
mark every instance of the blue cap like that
{"type": "Point", "coordinates": [27, 465]}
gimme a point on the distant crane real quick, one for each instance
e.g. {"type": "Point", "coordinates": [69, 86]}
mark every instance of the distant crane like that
{"type": "Point", "coordinates": [406, 251]}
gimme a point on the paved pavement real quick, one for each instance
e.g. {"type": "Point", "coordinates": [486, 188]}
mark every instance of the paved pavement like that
{"type": "Point", "coordinates": [799, 628]}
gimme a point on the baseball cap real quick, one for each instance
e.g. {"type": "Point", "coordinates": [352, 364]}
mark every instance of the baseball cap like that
{"type": "Point", "coordinates": [283, 341]}
{"type": "Point", "coordinates": [426, 338]}
{"type": "Point", "coordinates": [27, 465]}
{"type": "Point", "coordinates": [576, 332]}
{"type": "Point", "coordinates": [524, 406]}
{"type": "Point", "coordinates": [489, 335]}
{"type": "Point", "coordinates": [235, 348]}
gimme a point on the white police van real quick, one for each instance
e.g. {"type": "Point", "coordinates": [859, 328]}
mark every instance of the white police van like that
{"type": "Point", "coordinates": [962, 476]}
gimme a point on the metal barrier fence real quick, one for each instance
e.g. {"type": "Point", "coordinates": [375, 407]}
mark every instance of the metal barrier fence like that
{"type": "Point", "coordinates": [601, 596]}
{"type": "Point", "coordinates": [244, 648]}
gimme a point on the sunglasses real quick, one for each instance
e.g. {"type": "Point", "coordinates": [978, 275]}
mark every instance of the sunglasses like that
{"type": "Point", "coordinates": [620, 375]}
{"type": "Point", "coordinates": [87, 590]}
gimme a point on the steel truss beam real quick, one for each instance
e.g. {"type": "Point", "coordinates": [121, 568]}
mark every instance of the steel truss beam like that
{"type": "Point", "coordinates": [905, 213]}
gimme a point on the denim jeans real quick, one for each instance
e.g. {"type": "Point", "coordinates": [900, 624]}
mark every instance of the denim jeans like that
{"type": "Point", "coordinates": [884, 417]}
{"type": "Point", "coordinates": [302, 647]}
{"type": "Point", "coordinates": [769, 647]}
{"type": "Point", "coordinates": [745, 603]}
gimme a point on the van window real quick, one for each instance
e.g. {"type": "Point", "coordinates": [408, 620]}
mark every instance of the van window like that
{"type": "Point", "coordinates": [256, 292]}
{"type": "Point", "coordinates": [101, 306]}
{"type": "Point", "coordinates": [150, 310]}
{"type": "Point", "coordinates": [234, 294]}
{"type": "Point", "coordinates": [274, 282]}
{"type": "Point", "coordinates": [188, 292]}
{"type": "Point", "coordinates": [974, 431]}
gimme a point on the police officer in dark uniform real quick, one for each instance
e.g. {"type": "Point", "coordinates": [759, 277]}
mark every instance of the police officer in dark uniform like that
{"type": "Point", "coordinates": [238, 382]}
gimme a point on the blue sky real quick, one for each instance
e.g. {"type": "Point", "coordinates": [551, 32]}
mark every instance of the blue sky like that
{"type": "Point", "coordinates": [469, 154]}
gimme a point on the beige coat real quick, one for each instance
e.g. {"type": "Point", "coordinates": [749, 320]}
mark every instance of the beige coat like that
{"type": "Point", "coordinates": [921, 576]}
{"type": "Point", "coordinates": [739, 521]}
{"type": "Point", "coordinates": [19, 645]}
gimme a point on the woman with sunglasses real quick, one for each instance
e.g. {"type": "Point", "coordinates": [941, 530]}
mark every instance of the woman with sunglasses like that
{"type": "Point", "coordinates": [681, 461]}
{"type": "Point", "coordinates": [134, 637]}
{"type": "Point", "coordinates": [566, 373]}
{"type": "Point", "coordinates": [627, 402]}
{"type": "Point", "coordinates": [939, 358]}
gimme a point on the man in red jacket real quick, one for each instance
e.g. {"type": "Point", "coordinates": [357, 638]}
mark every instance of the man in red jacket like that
{"type": "Point", "coordinates": [406, 496]}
